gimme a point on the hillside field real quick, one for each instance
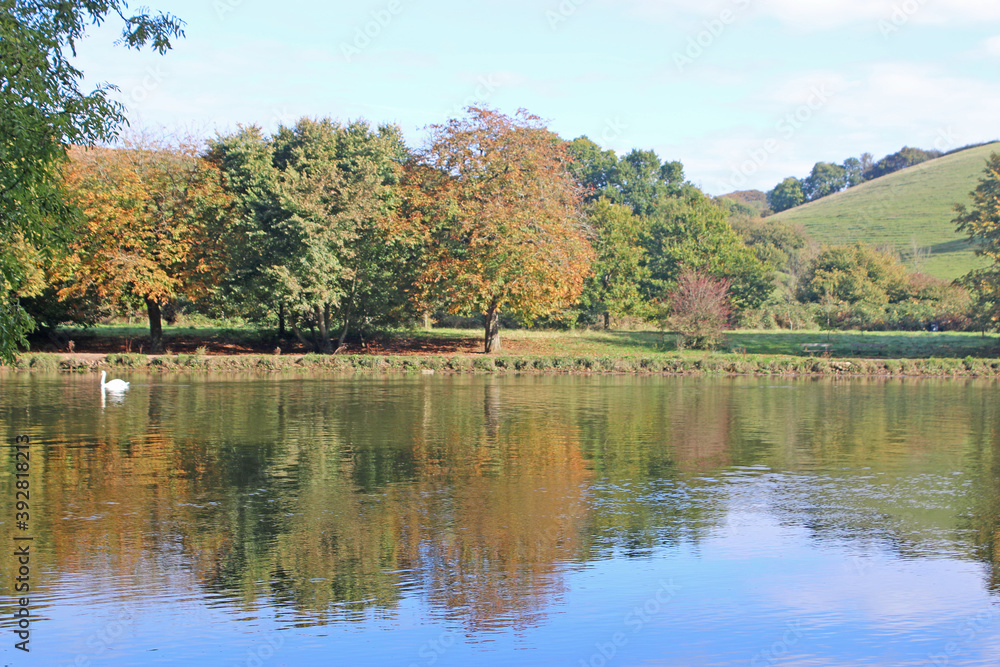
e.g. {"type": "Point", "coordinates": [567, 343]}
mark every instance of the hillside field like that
{"type": "Point", "coordinates": [907, 209]}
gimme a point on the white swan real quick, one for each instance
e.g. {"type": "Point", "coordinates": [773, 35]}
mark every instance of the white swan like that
{"type": "Point", "coordinates": [114, 385]}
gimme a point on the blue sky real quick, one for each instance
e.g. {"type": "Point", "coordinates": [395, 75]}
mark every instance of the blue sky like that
{"type": "Point", "coordinates": [743, 92]}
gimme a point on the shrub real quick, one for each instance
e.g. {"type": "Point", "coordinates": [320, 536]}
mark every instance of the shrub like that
{"type": "Point", "coordinates": [699, 310]}
{"type": "Point", "coordinates": [127, 359]}
{"type": "Point", "coordinates": [44, 362]}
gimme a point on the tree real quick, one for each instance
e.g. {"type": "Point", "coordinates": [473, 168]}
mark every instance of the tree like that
{"type": "Point", "coordinates": [152, 216]}
{"type": "Point", "coordinates": [499, 213]}
{"type": "Point", "coordinates": [905, 157]}
{"type": "Point", "coordinates": [786, 195]}
{"type": "Point", "coordinates": [854, 172]}
{"type": "Point", "coordinates": [854, 274]}
{"type": "Point", "coordinates": [316, 203]}
{"type": "Point", "coordinates": [824, 180]}
{"type": "Point", "coordinates": [42, 111]}
{"type": "Point", "coordinates": [698, 309]}
{"type": "Point", "coordinates": [638, 180]}
{"type": "Point", "coordinates": [641, 181]}
{"type": "Point", "coordinates": [613, 289]}
{"type": "Point", "coordinates": [692, 232]}
{"type": "Point", "coordinates": [592, 167]}
{"type": "Point", "coordinates": [981, 223]}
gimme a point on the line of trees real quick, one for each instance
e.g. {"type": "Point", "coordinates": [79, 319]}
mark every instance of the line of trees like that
{"type": "Point", "coordinates": [331, 230]}
{"type": "Point", "coordinates": [827, 178]}
{"type": "Point", "coordinates": [335, 229]}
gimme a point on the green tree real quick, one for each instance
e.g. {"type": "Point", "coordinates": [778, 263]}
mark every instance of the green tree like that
{"type": "Point", "coordinates": [249, 244]}
{"type": "Point", "coordinates": [854, 274]}
{"type": "Point", "coordinates": [315, 207]}
{"type": "Point", "coordinates": [42, 111]}
{"type": "Point", "coordinates": [638, 180]}
{"type": "Point", "coordinates": [824, 180]}
{"type": "Point", "coordinates": [854, 172]}
{"type": "Point", "coordinates": [905, 157]}
{"type": "Point", "coordinates": [641, 181]}
{"type": "Point", "coordinates": [613, 288]}
{"type": "Point", "coordinates": [774, 243]}
{"type": "Point", "coordinates": [592, 167]}
{"type": "Point", "coordinates": [786, 195]}
{"type": "Point", "coordinates": [981, 223]}
{"type": "Point", "coordinates": [692, 232]}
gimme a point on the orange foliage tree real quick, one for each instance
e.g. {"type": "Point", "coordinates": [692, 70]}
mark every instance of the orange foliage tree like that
{"type": "Point", "coordinates": [152, 215]}
{"type": "Point", "coordinates": [500, 216]}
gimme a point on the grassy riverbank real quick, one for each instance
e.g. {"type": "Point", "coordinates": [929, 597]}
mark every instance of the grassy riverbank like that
{"type": "Point", "coordinates": [457, 351]}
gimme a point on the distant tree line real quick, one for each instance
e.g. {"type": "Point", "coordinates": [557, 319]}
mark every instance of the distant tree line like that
{"type": "Point", "coordinates": [827, 178]}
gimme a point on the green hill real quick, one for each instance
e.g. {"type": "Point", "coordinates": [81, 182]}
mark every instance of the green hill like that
{"type": "Point", "coordinates": [906, 209]}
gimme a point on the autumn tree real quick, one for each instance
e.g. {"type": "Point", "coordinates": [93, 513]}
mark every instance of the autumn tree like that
{"type": "Point", "coordinates": [981, 223]}
{"type": "Point", "coordinates": [500, 217]}
{"type": "Point", "coordinates": [42, 111]}
{"type": "Point", "coordinates": [153, 213]}
{"type": "Point", "coordinates": [315, 204]}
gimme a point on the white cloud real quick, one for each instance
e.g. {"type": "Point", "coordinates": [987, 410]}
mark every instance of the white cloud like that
{"type": "Point", "coordinates": [825, 116]}
{"type": "Point", "coordinates": [992, 46]}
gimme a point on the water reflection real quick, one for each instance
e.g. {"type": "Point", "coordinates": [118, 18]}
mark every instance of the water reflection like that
{"type": "Point", "coordinates": [477, 499]}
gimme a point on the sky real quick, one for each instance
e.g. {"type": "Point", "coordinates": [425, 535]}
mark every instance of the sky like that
{"type": "Point", "coordinates": [743, 92]}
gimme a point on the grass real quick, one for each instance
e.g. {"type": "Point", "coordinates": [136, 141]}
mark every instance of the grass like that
{"type": "Point", "coordinates": [913, 205]}
{"type": "Point", "coordinates": [843, 344]}
{"type": "Point", "coordinates": [946, 354]}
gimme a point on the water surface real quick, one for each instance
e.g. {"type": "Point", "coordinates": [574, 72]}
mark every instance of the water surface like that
{"type": "Point", "coordinates": [455, 520]}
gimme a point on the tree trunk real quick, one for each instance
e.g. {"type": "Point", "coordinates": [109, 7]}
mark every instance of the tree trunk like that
{"type": "Point", "coordinates": [323, 344]}
{"type": "Point", "coordinates": [343, 333]}
{"type": "Point", "coordinates": [607, 321]}
{"type": "Point", "coordinates": [428, 325]}
{"type": "Point", "coordinates": [155, 326]}
{"type": "Point", "coordinates": [281, 321]}
{"type": "Point", "coordinates": [492, 338]}
{"type": "Point", "coordinates": [298, 334]}
{"type": "Point", "coordinates": [347, 314]}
